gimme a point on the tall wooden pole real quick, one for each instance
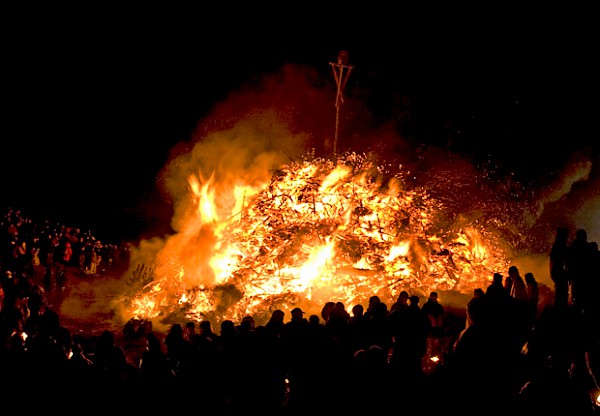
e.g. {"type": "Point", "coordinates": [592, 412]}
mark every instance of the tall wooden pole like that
{"type": "Point", "coordinates": [341, 78]}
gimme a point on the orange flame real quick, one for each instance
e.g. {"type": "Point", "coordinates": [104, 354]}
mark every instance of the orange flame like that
{"type": "Point", "coordinates": [319, 230]}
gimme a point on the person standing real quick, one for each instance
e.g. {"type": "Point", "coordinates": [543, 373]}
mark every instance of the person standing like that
{"type": "Point", "coordinates": [558, 267]}
{"type": "Point", "coordinates": [579, 267]}
{"type": "Point", "coordinates": [156, 372]}
{"type": "Point", "coordinates": [37, 269]}
{"type": "Point", "coordinates": [516, 284]}
{"type": "Point", "coordinates": [533, 297]}
{"type": "Point", "coordinates": [435, 312]}
{"type": "Point", "coordinates": [518, 306]}
{"type": "Point", "coordinates": [410, 342]}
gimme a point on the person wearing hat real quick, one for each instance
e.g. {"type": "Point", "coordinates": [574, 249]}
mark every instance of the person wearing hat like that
{"type": "Point", "coordinates": [294, 341]}
{"type": "Point", "coordinates": [298, 324]}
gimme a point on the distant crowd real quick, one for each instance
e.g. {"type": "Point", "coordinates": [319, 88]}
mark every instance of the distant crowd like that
{"type": "Point", "coordinates": [43, 250]}
{"type": "Point", "coordinates": [510, 353]}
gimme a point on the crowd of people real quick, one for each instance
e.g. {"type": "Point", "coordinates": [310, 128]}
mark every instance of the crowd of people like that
{"type": "Point", "coordinates": [512, 354]}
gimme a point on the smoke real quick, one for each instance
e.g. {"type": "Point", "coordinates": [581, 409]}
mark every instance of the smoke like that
{"type": "Point", "coordinates": [571, 200]}
{"type": "Point", "coordinates": [586, 201]}
{"type": "Point", "coordinates": [268, 123]}
{"type": "Point", "coordinates": [94, 303]}
{"type": "Point", "coordinates": [578, 170]}
{"type": "Point", "coordinates": [588, 216]}
{"type": "Point", "coordinates": [246, 154]}
{"type": "Point", "coordinates": [279, 118]}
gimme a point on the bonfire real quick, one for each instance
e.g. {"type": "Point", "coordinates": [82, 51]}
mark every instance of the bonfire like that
{"type": "Point", "coordinates": [319, 230]}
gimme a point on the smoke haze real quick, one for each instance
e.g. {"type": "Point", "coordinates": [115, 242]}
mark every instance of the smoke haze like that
{"type": "Point", "coordinates": [280, 118]}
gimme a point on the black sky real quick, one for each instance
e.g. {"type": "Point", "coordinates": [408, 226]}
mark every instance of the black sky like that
{"type": "Point", "coordinates": [93, 105]}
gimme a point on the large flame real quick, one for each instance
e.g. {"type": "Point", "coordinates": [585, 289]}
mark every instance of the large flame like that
{"type": "Point", "coordinates": [318, 230]}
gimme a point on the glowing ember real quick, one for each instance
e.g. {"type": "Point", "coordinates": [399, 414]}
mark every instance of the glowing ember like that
{"type": "Point", "coordinates": [319, 230]}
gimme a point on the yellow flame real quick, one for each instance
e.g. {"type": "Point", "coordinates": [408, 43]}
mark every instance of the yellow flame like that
{"type": "Point", "coordinates": [205, 198]}
{"type": "Point", "coordinates": [333, 179]}
{"type": "Point", "coordinates": [317, 261]}
{"type": "Point", "coordinates": [317, 231]}
{"type": "Point", "coordinates": [225, 263]}
{"type": "Point", "coordinates": [399, 250]}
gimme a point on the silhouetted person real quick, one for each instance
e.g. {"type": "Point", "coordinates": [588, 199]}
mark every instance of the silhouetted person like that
{"type": "Point", "coordinates": [47, 346]}
{"type": "Point", "coordinates": [295, 344]}
{"type": "Point", "coordinates": [533, 297]}
{"type": "Point", "coordinates": [516, 285]}
{"type": "Point", "coordinates": [229, 340]}
{"type": "Point", "coordinates": [378, 332]}
{"type": "Point", "coordinates": [498, 301]}
{"type": "Point", "coordinates": [156, 373]}
{"type": "Point", "coordinates": [558, 267]}
{"type": "Point", "coordinates": [554, 359]}
{"type": "Point", "coordinates": [435, 312]}
{"type": "Point", "coordinates": [401, 301]}
{"type": "Point", "coordinates": [110, 362]}
{"type": "Point", "coordinates": [36, 299]}
{"type": "Point", "coordinates": [81, 368]}
{"type": "Point", "coordinates": [594, 306]}
{"type": "Point", "coordinates": [337, 325]}
{"type": "Point", "coordinates": [326, 310]}
{"type": "Point", "coordinates": [357, 329]}
{"type": "Point", "coordinates": [48, 280]}
{"type": "Point", "coordinates": [377, 389]}
{"type": "Point", "coordinates": [410, 342]}
{"type": "Point", "coordinates": [579, 266]}
{"type": "Point", "coordinates": [273, 360]}
{"type": "Point", "coordinates": [275, 324]}
{"type": "Point", "coordinates": [496, 288]}
{"type": "Point", "coordinates": [182, 355]}
{"type": "Point", "coordinates": [190, 333]}
{"type": "Point", "coordinates": [477, 308]}
{"type": "Point", "coordinates": [517, 313]}
{"type": "Point", "coordinates": [478, 366]}
{"type": "Point", "coordinates": [247, 360]}
{"type": "Point", "coordinates": [207, 361]}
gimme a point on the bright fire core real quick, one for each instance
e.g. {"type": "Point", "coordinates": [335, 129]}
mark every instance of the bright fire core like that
{"type": "Point", "coordinates": [320, 230]}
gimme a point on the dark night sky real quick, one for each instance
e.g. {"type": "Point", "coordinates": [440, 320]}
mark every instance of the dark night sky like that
{"type": "Point", "coordinates": [92, 106]}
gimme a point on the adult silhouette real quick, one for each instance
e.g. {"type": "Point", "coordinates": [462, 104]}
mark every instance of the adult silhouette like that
{"type": "Point", "coordinates": [558, 267]}
{"type": "Point", "coordinates": [579, 266]}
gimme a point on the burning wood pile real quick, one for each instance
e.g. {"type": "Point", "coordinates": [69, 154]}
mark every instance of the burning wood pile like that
{"type": "Point", "coordinates": [319, 230]}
